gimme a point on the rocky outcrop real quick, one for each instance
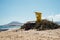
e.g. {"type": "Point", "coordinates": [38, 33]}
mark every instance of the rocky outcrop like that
{"type": "Point", "coordinates": [43, 25]}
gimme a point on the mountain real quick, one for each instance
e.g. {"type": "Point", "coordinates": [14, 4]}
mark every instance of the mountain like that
{"type": "Point", "coordinates": [10, 26]}
{"type": "Point", "coordinates": [14, 23]}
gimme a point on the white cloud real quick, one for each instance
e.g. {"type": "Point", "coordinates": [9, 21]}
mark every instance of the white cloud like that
{"type": "Point", "coordinates": [54, 17]}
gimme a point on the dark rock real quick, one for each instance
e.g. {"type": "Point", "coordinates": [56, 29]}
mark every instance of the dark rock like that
{"type": "Point", "coordinates": [43, 25]}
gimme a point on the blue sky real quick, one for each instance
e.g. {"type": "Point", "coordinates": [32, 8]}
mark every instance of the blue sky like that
{"type": "Point", "coordinates": [23, 10]}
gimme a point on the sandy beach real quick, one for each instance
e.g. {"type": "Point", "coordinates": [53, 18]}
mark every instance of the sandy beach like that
{"type": "Point", "coordinates": [30, 35]}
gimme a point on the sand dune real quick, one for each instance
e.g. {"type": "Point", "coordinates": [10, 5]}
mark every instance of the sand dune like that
{"type": "Point", "coordinates": [30, 35]}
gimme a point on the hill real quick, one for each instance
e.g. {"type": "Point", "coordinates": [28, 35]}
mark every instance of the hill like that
{"type": "Point", "coordinates": [14, 23]}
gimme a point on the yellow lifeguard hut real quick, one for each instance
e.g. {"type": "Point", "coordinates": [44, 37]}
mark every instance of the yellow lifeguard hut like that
{"type": "Point", "coordinates": [38, 16]}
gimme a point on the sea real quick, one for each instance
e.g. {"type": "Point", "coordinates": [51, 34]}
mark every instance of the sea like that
{"type": "Point", "coordinates": [9, 27]}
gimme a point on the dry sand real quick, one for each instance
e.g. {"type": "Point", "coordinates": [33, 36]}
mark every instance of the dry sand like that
{"type": "Point", "coordinates": [31, 35]}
